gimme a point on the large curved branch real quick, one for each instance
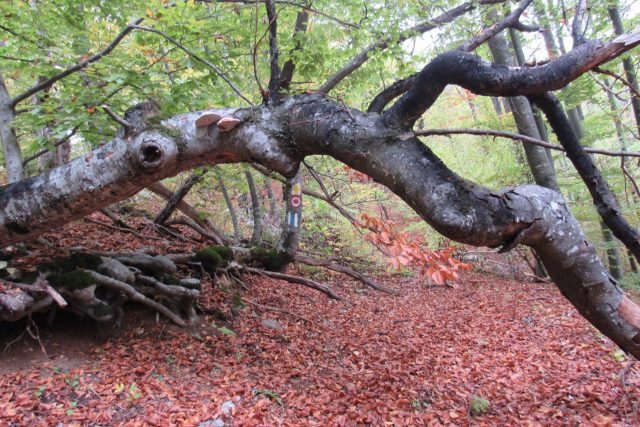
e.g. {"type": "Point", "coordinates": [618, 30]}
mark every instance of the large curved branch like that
{"type": "Point", "coordinates": [280, 137]}
{"type": "Point", "coordinates": [402, 86]}
{"type": "Point", "coordinates": [483, 78]}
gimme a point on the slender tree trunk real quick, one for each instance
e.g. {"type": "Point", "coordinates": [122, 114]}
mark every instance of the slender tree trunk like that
{"type": "Point", "coordinates": [274, 212]}
{"type": "Point", "coordinates": [537, 116]}
{"type": "Point", "coordinates": [537, 157]}
{"type": "Point", "coordinates": [545, 23]}
{"type": "Point", "coordinates": [256, 209]}
{"type": "Point", "coordinates": [627, 64]}
{"type": "Point", "coordinates": [10, 145]}
{"type": "Point", "coordinates": [497, 106]}
{"type": "Point", "coordinates": [632, 261]}
{"type": "Point", "coordinates": [613, 255]}
{"type": "Point", "coordinates": [292, 224]}
{"type": "Point", "coordinates": [237, 235]}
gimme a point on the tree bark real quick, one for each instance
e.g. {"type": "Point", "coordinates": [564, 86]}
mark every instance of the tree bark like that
{"type": "Point", "coordinates": [256, 208]}
{"type": "Point", "coordinates": [10, 146]}
{"type": "Point", "coordinates": [537, 157]}
{"type": "Point", "coordinates": [627, 64]}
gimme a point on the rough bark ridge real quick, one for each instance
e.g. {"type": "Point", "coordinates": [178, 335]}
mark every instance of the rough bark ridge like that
{"type": "Point", "coordinates": [382, 146]}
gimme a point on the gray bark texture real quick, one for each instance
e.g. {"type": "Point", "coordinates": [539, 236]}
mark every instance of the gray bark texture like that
{"type": "Point", "coordinates": [382, 146]}
{"type": "Point", "coordinates": [627, 64]}
{"type": "Point", "coordinates": [256, 208]}
{"type": "Point", "coordinates": [237, 235]}
{"type": "Point", "coordinates": [10, 145]}
{"type": "Point", "coordinates": [537, 157]}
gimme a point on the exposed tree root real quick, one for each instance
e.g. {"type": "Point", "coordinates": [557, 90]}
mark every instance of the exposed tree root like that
{"type": "Point", "coordinates": [135, 296]}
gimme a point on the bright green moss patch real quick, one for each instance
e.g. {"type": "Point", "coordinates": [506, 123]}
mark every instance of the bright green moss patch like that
{"type": "Point", "coordinates": [209, 258]}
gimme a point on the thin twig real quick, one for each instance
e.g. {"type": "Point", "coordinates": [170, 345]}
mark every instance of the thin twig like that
{"type": "Point", "coordinates": [618, 77]}
{"type": "Point", "coordinates": [116, 118]}
{"type": "Point", "coordinates": [123, 229]}
{"type": "Point", "coordinates": [519, 137]}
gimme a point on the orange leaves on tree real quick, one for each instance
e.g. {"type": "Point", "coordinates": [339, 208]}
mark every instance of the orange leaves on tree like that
{"type": "Point", "coordinates": [406, 250]}
{"type": "Point", "coordinates": [356, 176]}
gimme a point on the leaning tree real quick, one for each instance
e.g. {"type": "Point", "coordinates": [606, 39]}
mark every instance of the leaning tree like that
{"type": "Point", "coordinates": [285, 127]}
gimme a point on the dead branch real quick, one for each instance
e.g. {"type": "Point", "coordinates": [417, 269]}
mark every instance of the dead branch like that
{"type": "Point", "coordinates": [123, 229]}
{"type": "Point", "coordinates": [174, 291]}
{"type": "Point", "coordinates": [348, 271]}
{"type": "Point", "coordinates": [521, 138]}
{"type": "Point", "coordinates": [297, 280]}
{"type": "Point", "coordinates": [39, 286]}
{"type": "Point", "coordinates": [164, 192]}
{"type": "Point", "coordinates": [177, 197]}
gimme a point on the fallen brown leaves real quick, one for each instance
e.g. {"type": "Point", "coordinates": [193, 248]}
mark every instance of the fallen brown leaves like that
{"type": "Point", "coordinates": [416, 359]}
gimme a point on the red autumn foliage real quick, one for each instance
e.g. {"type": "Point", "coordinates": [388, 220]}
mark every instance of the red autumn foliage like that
{"type": "Point", "coordinates": [410, 251]}
{"type": "Point", "coordinates": [356, 176]}
{"type": "Point", "coordinates": [411, 360]}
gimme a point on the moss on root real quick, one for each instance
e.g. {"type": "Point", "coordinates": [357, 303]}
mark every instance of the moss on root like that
{"type": "Point", "coordinates": [75, 261]}
{"type": "Point", "coordinates": [270, 259]}
{"type": "Point", "coordinates": [73, 280]}
{"type": "Point", "coordinates": [209, 258]}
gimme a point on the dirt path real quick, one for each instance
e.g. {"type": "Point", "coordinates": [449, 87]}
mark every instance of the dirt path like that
{"type": "Point", "coordinates": [425, 357]}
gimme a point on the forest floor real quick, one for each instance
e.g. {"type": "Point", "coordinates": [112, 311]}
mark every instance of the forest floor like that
{"type": "Point", "coordinates": [489, 351]}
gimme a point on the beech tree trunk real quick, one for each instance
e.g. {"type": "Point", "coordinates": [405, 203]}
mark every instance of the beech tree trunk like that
{"type": "Point", "coordinates": [256, 209]}
{"type": "Point", "coordinates": [237, 235]}
{"type": "Point", "coordinates": [627, 64]}
{"type": "Point", "coordinates": [538, 158]}
{"type": "Point", "coordinates": [382, 146]}
{"type": "Point", "coordinates": [10, 145]}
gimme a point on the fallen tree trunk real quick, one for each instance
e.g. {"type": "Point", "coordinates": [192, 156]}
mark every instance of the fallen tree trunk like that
{"type": "Point", "coordinates": [381, 146]}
